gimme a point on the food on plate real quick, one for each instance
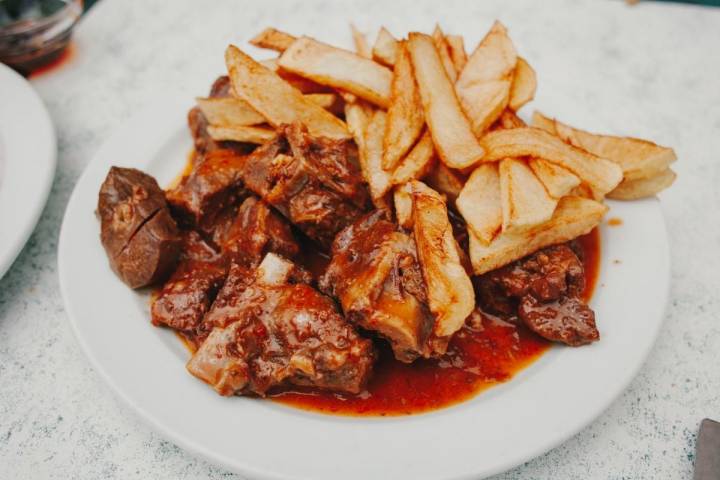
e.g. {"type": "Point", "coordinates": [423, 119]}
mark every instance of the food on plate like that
{"type": "Point", "coordinates": [338, 68]}
{"type": "Point", "coordinates": [374, 232]}
{"type": "Point", "coordinates": [456, 145]}
{"type": "Point", "coordinates": [140, 237]}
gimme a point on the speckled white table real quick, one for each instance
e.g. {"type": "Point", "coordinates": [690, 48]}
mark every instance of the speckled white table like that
{"type": "Point", "coordinates": [657, 65]}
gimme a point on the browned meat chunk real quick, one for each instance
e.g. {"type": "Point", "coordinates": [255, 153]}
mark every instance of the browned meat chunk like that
{"type": "Point", "coordinates": [139, 235]}
{"type": "Point", "coordinates": [544, 290]}
{"type": "Point", "coordinates": [256, 230]}
{"type": "Point", "coordinates": [272, 332]}
{"type": "Point", "coordinates": [313, 182]}
{"type": "Point", "coordinates": [375, 275]}
{"type": "Point", "coordinates": [211, 188]}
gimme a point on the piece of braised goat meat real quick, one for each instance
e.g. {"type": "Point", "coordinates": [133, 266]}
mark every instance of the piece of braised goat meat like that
{"type": "Point", "coordinates": [544, 290]}
{"type": "Point", "coordinates": [140, 237]}
{"type": "Point", "coordinates": [187, 296]}
{"type": "Point", "coordinates": [211, 188]}
{"type": "Point", "coordinates": [314, 182]}
{"type": "Point", "coordinates": [273, 330]}
{"type": "Point", "coordinates": [255, 231]}
{"type": "Point", "coordinates": [374, 273]}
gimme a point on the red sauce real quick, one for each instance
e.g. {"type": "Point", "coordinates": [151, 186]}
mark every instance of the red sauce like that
{"type": "Point", "coordinates": [477, 359]}
{"type": "Point", "coordinates": [52, 62]}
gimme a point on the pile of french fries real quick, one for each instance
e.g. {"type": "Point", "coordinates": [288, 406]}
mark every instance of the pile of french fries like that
{"type": "Point", "coordinates": [426, 116]}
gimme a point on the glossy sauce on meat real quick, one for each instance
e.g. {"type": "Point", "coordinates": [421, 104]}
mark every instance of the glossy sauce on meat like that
{"type": "Point", "coordinates": [491, 352]}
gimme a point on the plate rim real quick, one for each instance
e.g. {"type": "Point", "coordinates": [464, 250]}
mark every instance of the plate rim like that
{"type": "Point", "coordinates": [35, 194]}
{"type": "Point", "coordinates": [246, 468]}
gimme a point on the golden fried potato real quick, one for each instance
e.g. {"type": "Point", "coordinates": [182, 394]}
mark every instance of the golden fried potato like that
{"type": "Point", "coordinates": [276, 100]}
{"type": "Point", "coordinates": [371, 162]}
{"type": "Point", "coordinates": [402, 198]}
{"type": "Point", "coordinates": [509, 119]}
{"type": "Point", "coordinates": [246, 134]}
{"type": "Point", "coordinates": [385, 49]}
{"type": "Point", "coordinates": [450, 293]}
{"type": "Point", "coordinates": [338, 68]}
{"type": "Point", "coordinates": [524, 84]}
{"type": "Point", "coordinates": [417, 163]}
{"type": "Point", "coordinates": [361, 46]}
{"type": "Point", "coordinates": [273, 39]}
{"type": "Point", "coordinates": [638, 158]}
{"type": "Point", "coordinates": [235, 112]}
{"type": "Point", "coordinates": [443, 50]}
{"type": "Point", "coordinates": [558, 181]}
{"type": "Point", "coordinates": [405, 120]}
{"type": "Point", "coordinates": [454, 141]}
{"type": "Point", "coordinates": [525, 202]}
{"type": "Point", "coordinates": [484, 84]}
{"type": "Point", "coordinates": [574, 216]}
{"type": "Point", "coordinates": [479, 202]}
{"type": "Point", "coordinates": [456, 44]}
{"type": "Point", "coordinates": [643, 187]}
{"type": "Point", "coordinates": [445, 180]}
{"type": "Point", "coordinates": [600, 174]}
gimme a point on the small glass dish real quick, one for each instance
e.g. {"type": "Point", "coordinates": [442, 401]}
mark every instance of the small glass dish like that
{"type": "Point", "coordinates": [34, 33]}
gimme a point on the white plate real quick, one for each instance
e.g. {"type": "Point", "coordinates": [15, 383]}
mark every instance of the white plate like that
{"type": "Point", "coordinates": [540, 408]}
{"type": "Point", "coordinates": [27, 162]}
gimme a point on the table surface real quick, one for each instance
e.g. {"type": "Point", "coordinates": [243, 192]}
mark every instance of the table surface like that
{"type": "Point", "coordinates": [650, 70]}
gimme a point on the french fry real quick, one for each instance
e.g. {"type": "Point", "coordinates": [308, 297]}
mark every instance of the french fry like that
{"type": "Point", "coordinates": [338, 68]}
{"type": "Point", "coordinates": [443, 50]}
{"type": "Point", "coordinates": [484, 84]}
{"type": "Point", "coordinates": [558, 181]}
{"type": "Point", "coordinates": [361, 46]}
{"type": "Point", "coordinates": [509, 119]}
{"type": "Point", "coordinates": [638, 158]}
{"type": "Point", "coordinates": [525, 202]}
{"type": "Point", "coordinates": [643, 187]}
{"type": "Point", "coordinates": [378, 180]}
{"type": "Point", "coordinates": [246, 134]}
{"type": "Point", "coordinates": [417, 163]}
{"type": "Point", "coordinates": [402, 198]}
{"type": "Point", "coordinates": [524, 84]}
{"type": "Point", "coordinates": [574, 216]}
{"type": "Point", "coordinates": [276, 100]}
{"type": "Point", "coordinates": [600, 174]}
{"type": "Point", "coordinates": [450, 293]}
{"type": "Point", "coordinates": [385, 49]}
{"type": "Point", "coordinates": [445, 180]}
{"type": "Point", "coordinates": [273, 39]}
{"type": "Point", "coordinates": [454, 141]}
{"type": "Point", "coordinates": [405, 119]}
{"type": "Point", "coordinates": [234, 112]}
{"type": "Point", "coordinates": [456, 43]}
{"type": "Point", "coordinates": [479, 202]}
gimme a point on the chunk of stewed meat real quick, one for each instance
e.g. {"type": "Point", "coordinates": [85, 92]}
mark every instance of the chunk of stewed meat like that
{"type": "Point", "coordinates": [567, 320]}
{"type": "Point", "coordinates": [375, 275]}
{"type": "Point", "coordinates": [278, 333]}
{"type": "Point", "coordinates": [211, 188]}
{"type": "Point", "coordinates": [137, 231]}
{"type": "Point", "coordinates": [314, 182]}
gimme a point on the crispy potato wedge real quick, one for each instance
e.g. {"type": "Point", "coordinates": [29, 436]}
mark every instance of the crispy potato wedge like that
{"type": "Point", "coordinates": [276, 100]}
{"type": "Point", "coordinates": [246, 134]}
{"type": "Point", "coordinates": [456, 44]}
{"type": "Point", "coordinates": [405, 120]}
{"type": "Point", "coordinates": [402, 198]}
{"type": "Point", "coordinates": [361, 46]}
{"type": "Point", "coordinates": [450, 293]}
{"type": "Point", "coordinates": [573, 217]}
{"type": "Point", "coordinates": [338, 68]}
{"type": "Point", "coordinates": [273, 39]}
{"type": "Point", "coordinates": [525, 202]}
{"type": "Point", "coordinates": [443, 50]}
{"type": "Point", "coordinates": [445, 180]}
{"type": "Point", "coordinates": [558, 181]}
{"type": "Point", "coordinates": [479, 202]}
{"type": "Point", "coordinates": [454, 141]}
{"type": "Point", "coordinates": [524, 84]}
{"type": "Point", "coordinates": [417, 163]}
{"type": "Point", "coordinates": [378, 180]}
{"type": "Point", "coordinates": [385, 49]}
{"type": "Point", "coordinates": [509, 119]}
{"type": "Point", "coordinates": [484, 84]}
{"type": "Point", "coordinates": [600, 174]}
{"type": "Point", "coordinates": [638, 158]}
{"type": "Point", "coordinates": [229, 111]}
{"type": "Point", "coordinates": [232, 111]}
{"type": "Point", "coordinates": [643, 187]}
